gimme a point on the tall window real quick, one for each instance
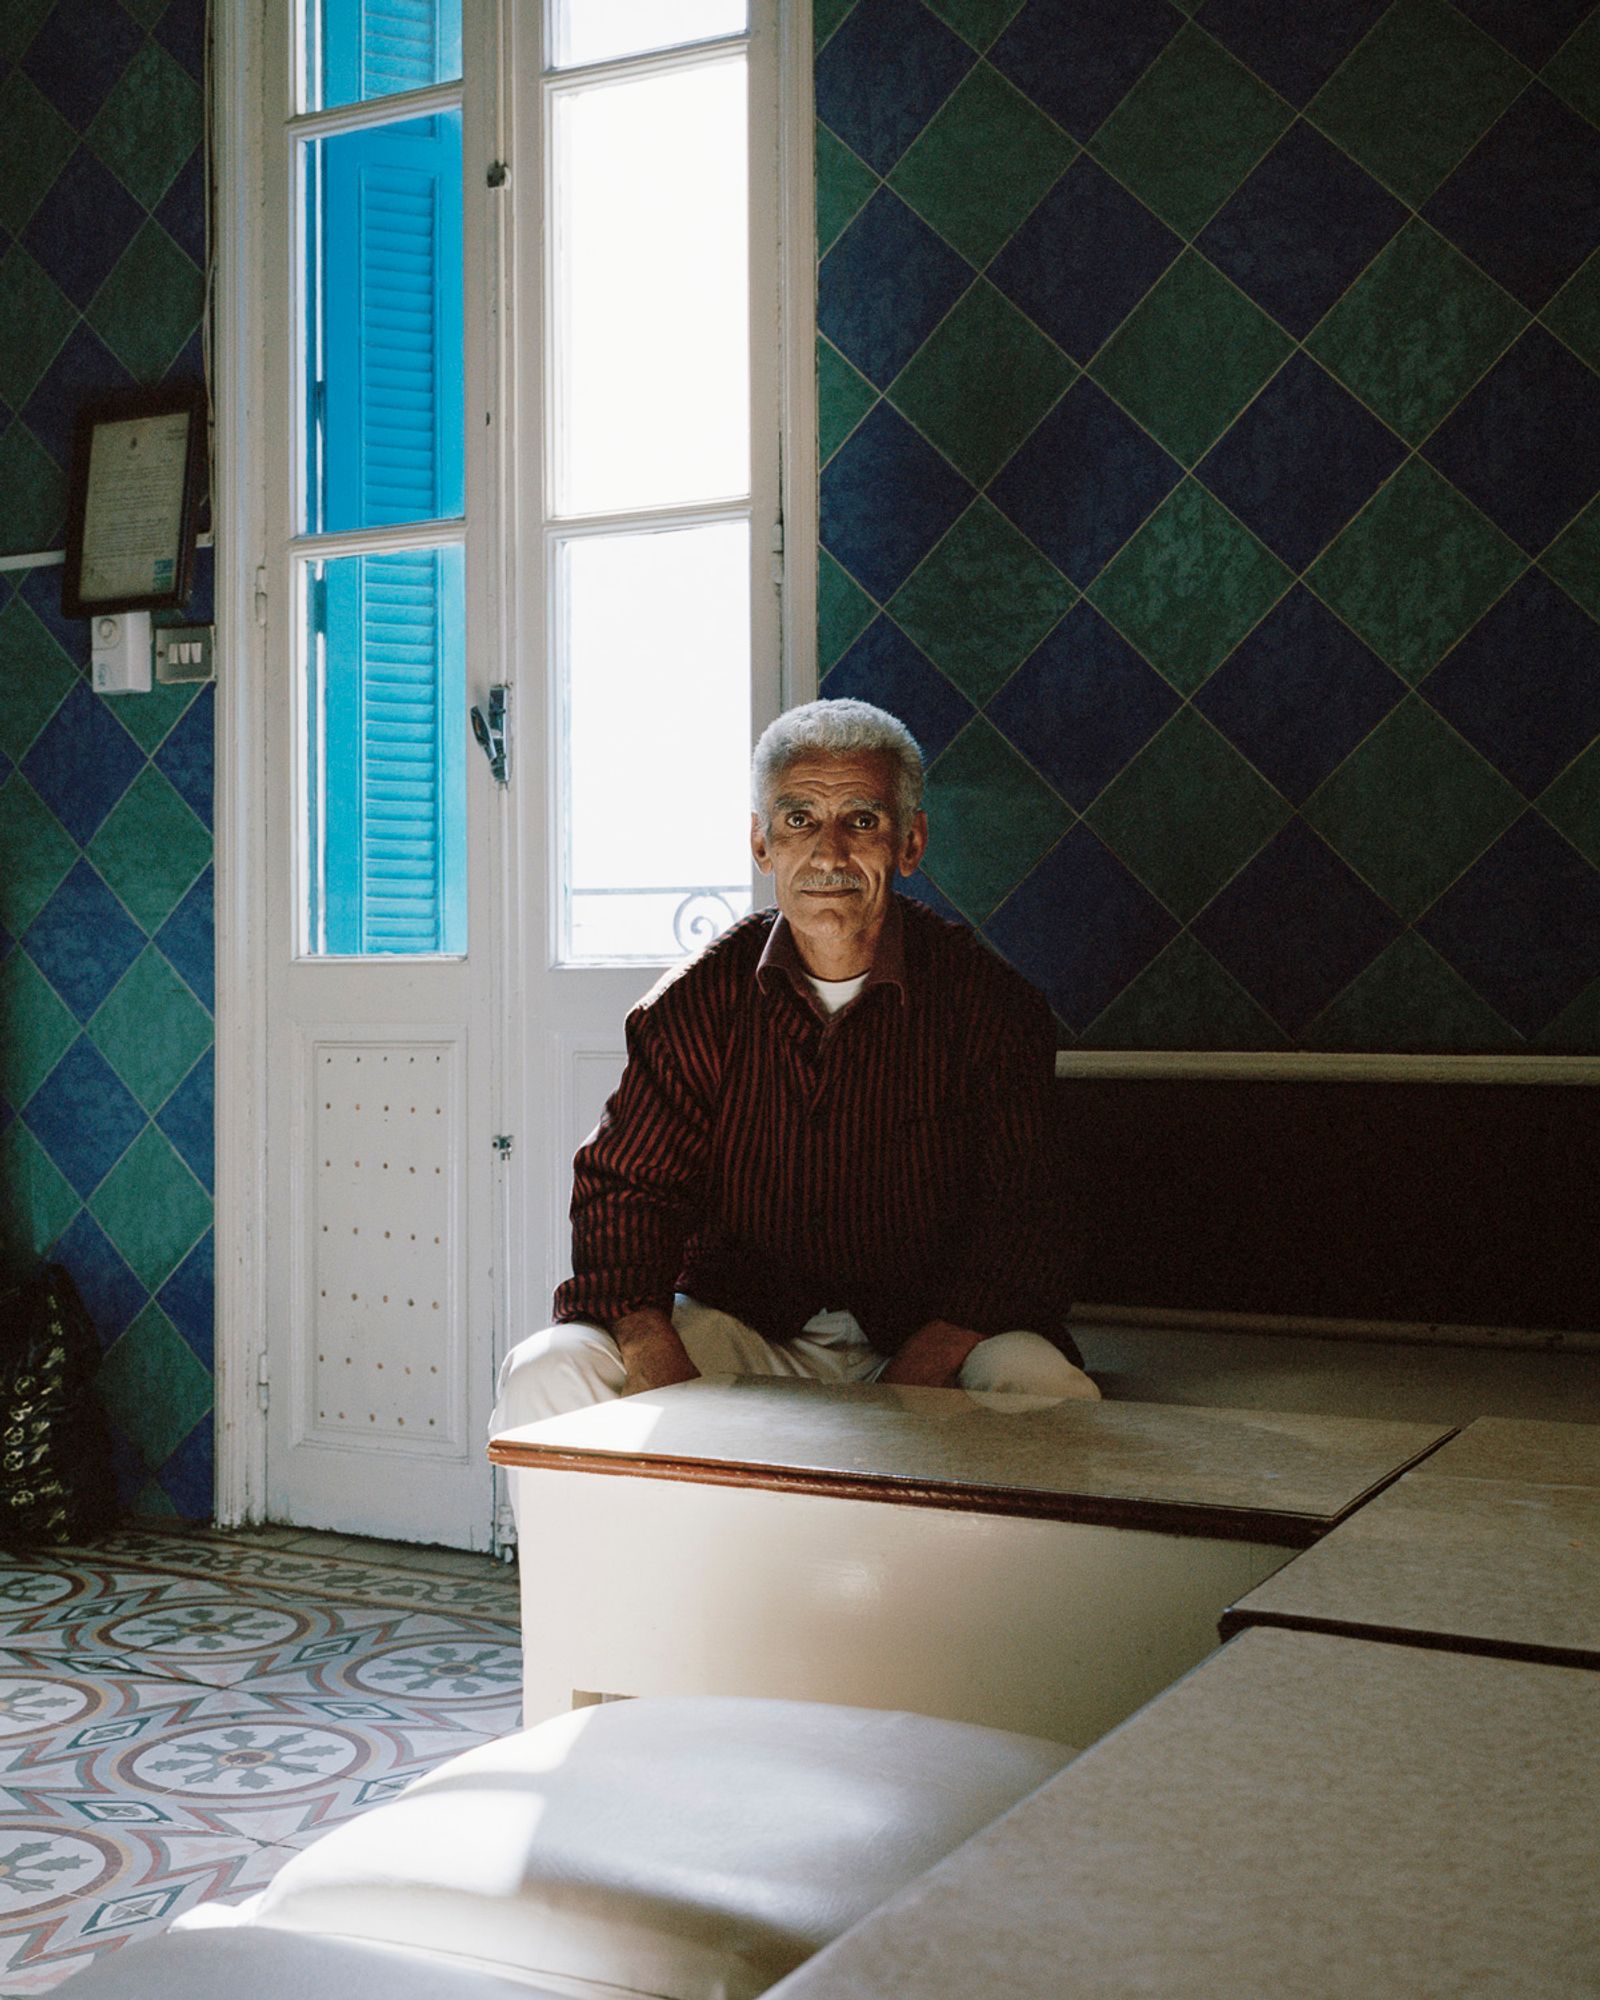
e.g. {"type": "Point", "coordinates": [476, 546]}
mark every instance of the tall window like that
{"type": "Point", "coordinates": [644, 489]}
{"type": "Point", "coordinates": [648, 504]}
{"type": "Point", "coordinates": [380, 548]}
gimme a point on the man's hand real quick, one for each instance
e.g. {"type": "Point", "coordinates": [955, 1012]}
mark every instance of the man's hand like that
{"type": "Point", "coordinates": [933, 1357]}
{"type": "Point", "coordinates": [651, 1351]}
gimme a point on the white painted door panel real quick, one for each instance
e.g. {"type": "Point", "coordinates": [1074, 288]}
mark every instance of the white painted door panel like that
{"type": "Point", "coordinates": [381, 1172]}
{"type": "Point", "coordinates": [582, 1068]}
{"type": "Point", "coordinates": [376, 1410]}
{"type": "Point", "coordinates": [381, 1181]}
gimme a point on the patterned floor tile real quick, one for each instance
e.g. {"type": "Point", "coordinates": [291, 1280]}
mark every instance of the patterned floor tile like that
{"type": "Point", "coordinates": [182, 1711]}
{"type": "Point", "coordinates": [400, 1556]}
{"type": "Point", "coordinates": [211, 1635]}
{"type": "Point", "coordinates": [64, 1620]}
{"type": "Point", "coordinates": [72, 1895]}
{"type": "Point", "coordinates": [259, 1641]}
{"type": "Point", "coordinates": [251, 1557]}
{"type": "Point", "coordinates": [431, 1663]}
{"type": "Point", "coordinates": [75, 1697]}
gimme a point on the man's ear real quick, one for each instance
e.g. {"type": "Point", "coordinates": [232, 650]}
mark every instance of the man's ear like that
{"type": "Point", "coordinates": [916, 844]}
{"type": "Point", "coordinates": [758, 844]}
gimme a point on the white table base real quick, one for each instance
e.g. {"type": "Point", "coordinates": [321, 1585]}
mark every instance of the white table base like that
{"type": "Point", "coordinates": [635, 1586]}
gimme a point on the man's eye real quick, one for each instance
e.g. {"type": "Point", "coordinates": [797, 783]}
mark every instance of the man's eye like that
{"type": "Point", "coordinates": [864, 822]}
{"type": "Point", "coordinates": [796, 819]}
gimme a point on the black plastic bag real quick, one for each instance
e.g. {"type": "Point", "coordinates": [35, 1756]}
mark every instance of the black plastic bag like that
{"type": "Point", "coordinates": [56, 1480]}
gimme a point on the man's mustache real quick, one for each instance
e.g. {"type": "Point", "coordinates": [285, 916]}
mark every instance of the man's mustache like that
{"type": "Point", "coordinates": [834, 878]}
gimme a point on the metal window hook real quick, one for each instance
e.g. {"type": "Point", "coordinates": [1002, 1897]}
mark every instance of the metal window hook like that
{"type": "Point", "coordinates": [491, 729]}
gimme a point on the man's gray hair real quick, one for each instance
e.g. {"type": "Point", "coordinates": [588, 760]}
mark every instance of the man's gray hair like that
{"type": "Point", "coordinates": [838, 728]}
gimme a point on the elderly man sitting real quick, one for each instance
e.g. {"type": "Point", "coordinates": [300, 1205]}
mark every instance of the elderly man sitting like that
{"type": "Point", "coordinates": [827, 1156]}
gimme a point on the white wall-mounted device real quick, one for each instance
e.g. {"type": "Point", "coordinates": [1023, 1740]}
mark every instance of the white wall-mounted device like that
{"type": "Point", "coordinates": [119, 652]}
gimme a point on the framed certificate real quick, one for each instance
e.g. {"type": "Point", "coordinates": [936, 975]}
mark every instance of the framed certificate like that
{"type": "Point", "coordinates": [138, 469]}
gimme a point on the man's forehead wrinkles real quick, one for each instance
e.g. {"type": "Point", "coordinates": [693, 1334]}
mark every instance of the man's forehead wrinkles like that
{"type": "Point", "coordinates": [854, 802]}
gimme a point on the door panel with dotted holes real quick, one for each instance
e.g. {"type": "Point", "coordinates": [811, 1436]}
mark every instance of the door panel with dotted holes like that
{"type": "Point", "coordinates": [380, 1348]}
{"type": "Point", "coordinates": [383, 1365]}
{"type": "Point", "coordinates": [382, 937]}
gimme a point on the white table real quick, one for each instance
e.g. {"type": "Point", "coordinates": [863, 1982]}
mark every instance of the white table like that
{"type": "Point", "coordinates": [1491, 1546]}
{"type": "Point", "coordinates": [1308, 1816]}
{"type": "Point", "coordinates": [1045, 1568]}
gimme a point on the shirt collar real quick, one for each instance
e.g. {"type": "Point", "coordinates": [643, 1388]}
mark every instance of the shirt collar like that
{"type": "Point", "coordinates": [780, 955]}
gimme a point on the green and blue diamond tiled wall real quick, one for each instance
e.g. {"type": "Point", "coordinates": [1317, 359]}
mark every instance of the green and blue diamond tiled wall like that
{"type": "Point", "coordinates": [105, 805]}
{"type": "Point", "coordinates": [1211, 437]}
{"type": "Point", "coordinates": [1210, 426]}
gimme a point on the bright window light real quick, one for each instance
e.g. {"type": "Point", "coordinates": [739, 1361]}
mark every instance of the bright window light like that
{"type": "Point", "coordinates": [591, 31]}
{"type": "Point", "coordinates": [656, 631]}
{"type": "Point", "coordinates": [652, 290]}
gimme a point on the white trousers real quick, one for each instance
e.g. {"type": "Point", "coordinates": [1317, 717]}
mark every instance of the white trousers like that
{"type": "Point", "coordinates": [570, 1366]}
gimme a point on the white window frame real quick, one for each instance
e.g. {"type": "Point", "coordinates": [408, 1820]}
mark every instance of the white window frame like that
{"type": "Point", "coordinates": [783, 477]}
{"type": "Point", "coordinates": [248, 314]}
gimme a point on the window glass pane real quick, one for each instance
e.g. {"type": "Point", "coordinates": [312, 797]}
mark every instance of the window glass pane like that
{"type": "Point", "coordinates": [653, 637]}
{"type": "Point", "coordinates": [384, 754]}
{"type": "Point", "coordinates": [588, 31]}
{"type": "Point", "coordinates": [651, 290]}
{"type": "Point", "coordinates": [357, 49]}
{"type": "Point", "coordinates": [384, 425]}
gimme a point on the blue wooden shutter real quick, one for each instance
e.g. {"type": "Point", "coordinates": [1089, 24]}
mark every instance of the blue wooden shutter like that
{"type": "Point", "coordinates": [395, 863]}
{"type": "Point", "coordinates": [391, 401]}
{"type": "Point", "coordinates": [392, 451]}
{"type": "Point", "coordinates": [371, 48]}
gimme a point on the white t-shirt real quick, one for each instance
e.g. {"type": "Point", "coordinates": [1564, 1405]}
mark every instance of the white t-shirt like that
{"type": "Point", "coordinates": [836, 993]}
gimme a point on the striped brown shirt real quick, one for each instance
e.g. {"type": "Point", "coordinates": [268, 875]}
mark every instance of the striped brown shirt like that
{"type": "Point", "coordinates": [768, 1160]}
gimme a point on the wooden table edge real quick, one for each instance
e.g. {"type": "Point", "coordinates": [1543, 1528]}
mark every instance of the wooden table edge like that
{"type": "Point", "coordinates": [1244, 1524]}
{"type": "Point", "coordinates": [1531, 1651]}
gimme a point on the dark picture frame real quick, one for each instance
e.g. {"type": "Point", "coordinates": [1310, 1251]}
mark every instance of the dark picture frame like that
{"type": "Point", "coordinates": [132, 521]}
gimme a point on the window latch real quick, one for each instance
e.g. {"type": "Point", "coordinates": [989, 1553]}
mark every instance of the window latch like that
{"type": "Point", "coordinates": [490, 726]}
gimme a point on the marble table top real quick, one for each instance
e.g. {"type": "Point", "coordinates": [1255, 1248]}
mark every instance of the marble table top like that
{"type": "Point", "coordinates": [1539, 1454]}
{"type": "Point", "coordinates": [1280, 1477]}
{"type": "Point", "coordinates": [1302, 1814]}
{"type": "Point", "coordinates": [1492, 1544]}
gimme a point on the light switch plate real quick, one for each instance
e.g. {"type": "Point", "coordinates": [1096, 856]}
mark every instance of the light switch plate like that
{"type": "Point", "coordinates": [183, 653]}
